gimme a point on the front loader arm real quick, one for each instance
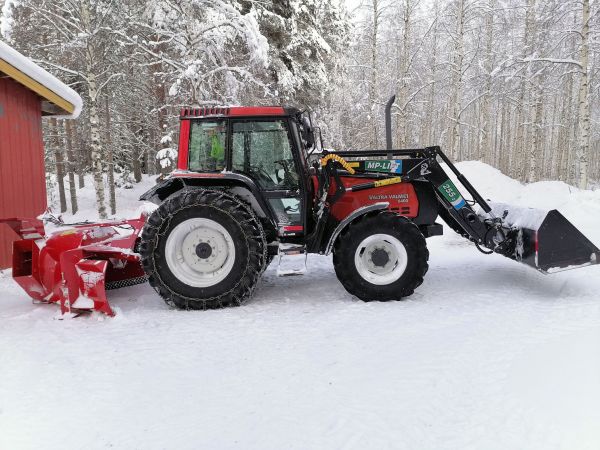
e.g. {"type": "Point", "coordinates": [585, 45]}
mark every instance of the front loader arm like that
{"type": "Point", "coordinates": [485, 232]}
{"type": "Point", "coordinates": [422, 165]}
{"type": "Point", "coordinates": [552, 244]}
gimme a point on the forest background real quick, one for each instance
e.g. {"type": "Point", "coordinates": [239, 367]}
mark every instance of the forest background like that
{"type": "Point", "coordinates": [513, 83]}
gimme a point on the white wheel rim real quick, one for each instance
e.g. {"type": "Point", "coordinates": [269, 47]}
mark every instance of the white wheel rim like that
{"type": "Point", "coordinates": [200, 252]}
{"type": "Point", "coordinates": [382, 271]}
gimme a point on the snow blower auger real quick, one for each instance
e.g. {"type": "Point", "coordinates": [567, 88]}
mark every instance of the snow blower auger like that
{"type": "Point", "coordinates": [253, 184]}
{"type": "Point", "coordinates": [75, 265]}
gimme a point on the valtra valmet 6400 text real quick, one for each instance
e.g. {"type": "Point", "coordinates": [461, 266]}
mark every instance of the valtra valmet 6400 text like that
{"type": "Point", "coordinates": [253, 184]}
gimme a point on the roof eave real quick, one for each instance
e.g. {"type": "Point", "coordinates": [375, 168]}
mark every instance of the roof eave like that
{"type": "Point", "coordinates": [60, 105]}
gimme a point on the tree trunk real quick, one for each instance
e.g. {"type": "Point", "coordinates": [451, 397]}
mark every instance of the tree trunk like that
{"type": "Point", "coordinates": [428, 126]}
{"type": "Point", "coordinates": [94, 117]}
{"type": "Point", "coordinates": [536, 144]}
{"type": "Point", "coordinates": [520, 146]}
{"type": "Point", "coordinates": [136, 164]}
{"type": "Point", "coordinates": [402, 129]}
{"type": "Point", "coordinates": [161, 99]}
{"type": "Point", "coordinates": [110, 159]}
{"type": "Point", "coordinates": [455, 104]}
{"type": "Point", "coordinates": [373, 85]}
{"type": "Point", "coordinates": [81, 163]}
{"type": "Point", "coordinates": [59, 158]}
{"type": "Point", "coordinates": [96, 146]}
{"type": "Point", "coordinates": [485, 140]}
{"type": "Point", "coordinates": [584, 100]}
{"type": "Point", "coordinates": [71, 166]}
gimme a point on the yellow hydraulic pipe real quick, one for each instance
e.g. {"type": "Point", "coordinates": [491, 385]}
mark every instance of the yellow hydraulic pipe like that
{"type": "Point", "coordinates": [345, 164]}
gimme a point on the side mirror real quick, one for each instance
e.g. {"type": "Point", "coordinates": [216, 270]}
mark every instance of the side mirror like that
{"type": "Point", "coordinates": [308, 134]}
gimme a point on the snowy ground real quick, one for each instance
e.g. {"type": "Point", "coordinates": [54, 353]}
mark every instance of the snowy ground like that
{"type": "Point", "coordinates": [487, 354]}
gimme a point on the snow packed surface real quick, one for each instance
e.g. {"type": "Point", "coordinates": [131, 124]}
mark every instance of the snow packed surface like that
{"type": "Point", "coordinates": [28, 67]}
{"type": "Point", "coordinates": [487, 354]}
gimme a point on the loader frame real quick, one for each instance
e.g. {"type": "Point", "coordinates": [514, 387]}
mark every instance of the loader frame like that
{"type": "Point", "coordinates": [419, 164]}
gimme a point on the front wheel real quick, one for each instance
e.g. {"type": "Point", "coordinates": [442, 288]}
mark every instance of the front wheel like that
{"type": "Point", "coordinates": [381, 257]}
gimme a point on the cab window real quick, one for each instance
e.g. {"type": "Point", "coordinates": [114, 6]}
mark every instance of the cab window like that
{"type": "Point", "coordinates": [207, 146]}
{"type": "Point", "coordinates": [262, 150]}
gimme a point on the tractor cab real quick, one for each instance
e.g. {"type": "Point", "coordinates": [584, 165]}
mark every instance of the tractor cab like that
{"type": "Point", "coordinates": [265, 147]}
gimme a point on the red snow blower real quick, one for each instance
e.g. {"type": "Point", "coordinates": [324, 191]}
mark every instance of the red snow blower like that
{"type": "Point", "coordinates": [74, 266]}
{"type": "Point", "coordinates": [252, 184]}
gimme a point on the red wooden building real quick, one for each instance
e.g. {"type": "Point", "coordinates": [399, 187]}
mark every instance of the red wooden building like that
{"type": "Point", "coordinates": [27, 93]}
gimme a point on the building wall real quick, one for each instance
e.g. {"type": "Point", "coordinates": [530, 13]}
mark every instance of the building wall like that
{"type": "Point", "coordinates": [22, 172]}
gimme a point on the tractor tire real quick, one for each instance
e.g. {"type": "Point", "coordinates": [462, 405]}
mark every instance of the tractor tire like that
{"type": "Point", "coordinates": [381, 257]}
{"type": "Point", "coordinates": [203, 249]}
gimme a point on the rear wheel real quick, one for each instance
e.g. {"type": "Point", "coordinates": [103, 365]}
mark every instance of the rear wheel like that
{"type": "Point", "coordinates": [203, 249]}
{"type": "Point", "coordinates": [381, 257]}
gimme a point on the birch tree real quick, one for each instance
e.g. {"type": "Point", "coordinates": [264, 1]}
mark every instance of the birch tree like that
{"type": "Point", "coordinates": [456, 68]}
{"type": "Point", "coordinates": [373, 85]}
{"type": "Point", "coordinates": [584, 100]}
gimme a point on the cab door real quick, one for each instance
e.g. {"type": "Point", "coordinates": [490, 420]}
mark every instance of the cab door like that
{"type": "Point", "coordinates": [263, 150]}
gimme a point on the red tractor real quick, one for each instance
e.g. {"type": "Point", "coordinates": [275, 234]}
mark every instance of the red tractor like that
{"type": "Point", "coordinates": [253, 183]}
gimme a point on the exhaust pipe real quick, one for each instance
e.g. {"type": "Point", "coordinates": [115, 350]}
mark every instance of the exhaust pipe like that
{"type": "Point", "coordinates": [388, 123]}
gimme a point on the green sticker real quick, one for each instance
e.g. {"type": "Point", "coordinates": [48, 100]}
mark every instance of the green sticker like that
{"type": "Point", "coordinates": [450, 193]}
{"type": "Point", "coordinates": [384, 165]}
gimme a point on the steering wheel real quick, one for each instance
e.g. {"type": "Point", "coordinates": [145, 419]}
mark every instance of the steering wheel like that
{"type": "Point", "coordinates": [289, 176]}
{"type": "Point", "coordinates": [261, 174]}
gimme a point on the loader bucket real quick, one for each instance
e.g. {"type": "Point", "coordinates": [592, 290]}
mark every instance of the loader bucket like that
{"type": "Point", "coordinates": [547, 241]}
{"type": "Point", "coordinates": [557, 245]}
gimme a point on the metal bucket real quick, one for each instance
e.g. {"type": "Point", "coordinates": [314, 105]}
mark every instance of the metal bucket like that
{"type": "Point", "coordinates": [546, 240]}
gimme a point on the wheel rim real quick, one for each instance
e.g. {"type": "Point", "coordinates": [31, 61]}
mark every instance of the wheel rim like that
{"type": "Point", "coordinates": [380, 259]}
{"type": "Point", "coordinates": [200, 252]}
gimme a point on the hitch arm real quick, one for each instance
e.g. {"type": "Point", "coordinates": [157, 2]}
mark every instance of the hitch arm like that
{"type": "Point", "coordinates": [479, 230]}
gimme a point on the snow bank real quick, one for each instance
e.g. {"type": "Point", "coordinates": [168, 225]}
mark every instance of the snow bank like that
{"type": "Point", "coordinates": [29, 68]}
{"type": "Point", "coordinates": [580, 207]}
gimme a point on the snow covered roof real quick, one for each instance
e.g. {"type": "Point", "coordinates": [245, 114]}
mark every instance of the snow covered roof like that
{"type": "Point", "coordinates": [58, 99]}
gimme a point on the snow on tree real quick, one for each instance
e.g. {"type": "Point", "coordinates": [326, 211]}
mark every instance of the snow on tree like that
{"type": "Point", "coordinates": [6, 18]}
{"type": "Point", "coordinates": [166, 156]}
{"type": "Point", "coordinates": [200, 43]}
{"type": "Point", "coordinates": [512, 82]}
{"type": "Point", "coordinates": [304, 38]}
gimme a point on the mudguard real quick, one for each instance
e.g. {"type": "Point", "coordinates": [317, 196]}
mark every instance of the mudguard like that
{"type": "Point", "coordinates": [351, 218]}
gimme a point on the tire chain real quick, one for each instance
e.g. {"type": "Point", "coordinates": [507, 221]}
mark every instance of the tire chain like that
{"type": "Point", "coordinates": [166, 213]}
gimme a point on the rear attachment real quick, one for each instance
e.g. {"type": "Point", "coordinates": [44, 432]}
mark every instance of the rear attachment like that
{"type": "Point", "coordinates": [74, 266]}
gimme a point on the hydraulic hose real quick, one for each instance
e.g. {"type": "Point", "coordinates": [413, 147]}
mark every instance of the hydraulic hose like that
{"type": "Point", "coordinates": [338, 159]}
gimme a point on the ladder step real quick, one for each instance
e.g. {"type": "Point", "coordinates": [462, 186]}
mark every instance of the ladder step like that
{"type": "Point", "coordinates": [291, 260]}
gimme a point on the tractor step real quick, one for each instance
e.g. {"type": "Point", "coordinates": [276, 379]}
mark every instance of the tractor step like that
{"type": "Point", "coordinates": [291, 260]}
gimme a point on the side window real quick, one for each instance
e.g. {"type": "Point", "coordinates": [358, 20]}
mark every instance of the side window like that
{"type": "Point", "coordinates": [207, 146]}
{"type": "Point", "coordinates": [262, 150]}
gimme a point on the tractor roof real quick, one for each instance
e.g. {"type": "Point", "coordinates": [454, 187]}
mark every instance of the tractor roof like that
{"type": "Point", "coordinates": [237, 111]}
